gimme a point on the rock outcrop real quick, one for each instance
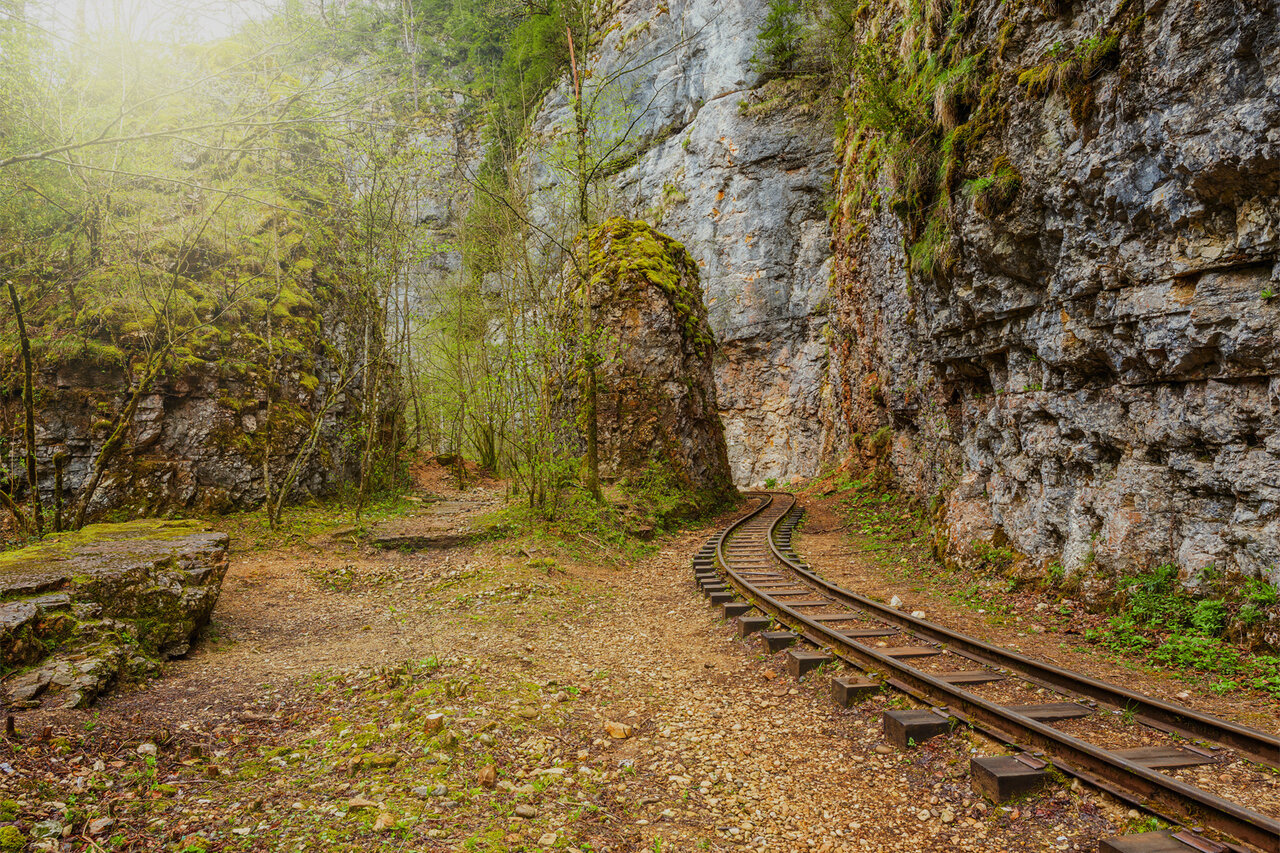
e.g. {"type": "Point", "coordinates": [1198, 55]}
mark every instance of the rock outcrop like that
{"type": "Point", "coordinates": [738, 172]}
{"type": "Point", "coordinates": [656, 399]}
{"type": "Point", "coordinates": [82, 610]}
{"type": "Point", "coordinates": [198, 440]}
{"type": "Point", "coordinates": [1083, 363]}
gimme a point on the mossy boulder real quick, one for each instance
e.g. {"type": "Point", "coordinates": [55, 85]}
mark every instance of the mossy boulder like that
{"type": "Point", "coordinates": [79, 610]}
{"type": "Point", "coordinates": [656, 404]}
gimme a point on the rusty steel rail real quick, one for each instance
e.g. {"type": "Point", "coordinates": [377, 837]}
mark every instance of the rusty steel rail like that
{"type": "Point", "coordinates": [1157, 792]}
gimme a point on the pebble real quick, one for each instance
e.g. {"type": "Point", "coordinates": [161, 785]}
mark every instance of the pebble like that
{"type": "Point", "coordinates": [618, 730]}
{"type": "Point", "coordinates": [526, 811]}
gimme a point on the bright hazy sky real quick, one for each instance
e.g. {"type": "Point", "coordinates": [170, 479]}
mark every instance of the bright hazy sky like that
{"type": "Point", "coordinates": [187, 20]}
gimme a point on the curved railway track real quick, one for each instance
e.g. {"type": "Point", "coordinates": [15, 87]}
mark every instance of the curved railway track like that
{"type": "Point", "coordinates": [966, 680]}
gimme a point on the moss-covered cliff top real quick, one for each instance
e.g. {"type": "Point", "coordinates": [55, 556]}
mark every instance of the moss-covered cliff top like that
{"type": "Point", "coordinates": [625, 252]}
{"type": "Point", "coordinates": [624, 248]}
{"type": "Point", "coordinates": [97, 550]}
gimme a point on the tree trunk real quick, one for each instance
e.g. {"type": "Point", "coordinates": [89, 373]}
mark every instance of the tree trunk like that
{"type": "Point", "coordinates": [59, 462]}
{"type": "Point", "coordinates": [589, 385]}
{"type": "Point", "coordinates": [116, 439]}
{"type": "Point", "coordinates": [29, 411]}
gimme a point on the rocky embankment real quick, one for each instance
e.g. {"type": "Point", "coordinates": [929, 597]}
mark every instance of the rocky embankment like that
{"type": "Point", "coordinates": [83, 610]}
{"type": "Point", "coordinates": [198, 439]}
{"type": "Point", "coordinates": [656, 404]}
{"type": "Point", "coordinates": [1078, 360]}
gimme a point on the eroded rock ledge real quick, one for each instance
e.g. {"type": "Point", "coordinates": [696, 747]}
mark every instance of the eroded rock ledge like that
{"type": "Point", "coordinates": [82, 610]}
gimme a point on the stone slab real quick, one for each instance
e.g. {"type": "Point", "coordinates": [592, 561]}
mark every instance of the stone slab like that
{"type": "Point", "coordinates": [84, 606]}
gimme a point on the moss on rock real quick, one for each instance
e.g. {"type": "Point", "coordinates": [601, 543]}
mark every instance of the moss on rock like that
{"type": "Point", "coordinates": [90, 606]}
{"type": "Point", "coordinates": [656, 411]}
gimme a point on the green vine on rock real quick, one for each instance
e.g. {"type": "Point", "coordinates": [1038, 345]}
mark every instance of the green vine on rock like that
{"type": "Point", "coordinates": [1074, 71]}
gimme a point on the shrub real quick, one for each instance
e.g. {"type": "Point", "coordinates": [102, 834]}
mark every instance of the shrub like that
{"type": "Point", "coordinates": [779, 39]}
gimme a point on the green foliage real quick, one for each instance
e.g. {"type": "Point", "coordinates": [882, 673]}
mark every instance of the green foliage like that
{"type": "Point", "coordinates": [993, 193]}
{"type": "Point", "coordinates": [778, 42]}
{"type": "Point", "coordinates": [222, 235]}
{"type": "Point", "coordinates": [12, 839]}
{"type": "Point", "coordinates": [657, 497]}
{"type": "Point", "coordinates": [1073, 71]}
{"type": "Point", "coordinates": [534, 55]}
{"type": "Point", "coordinates": [1162, 621]}
{"type": "Point", "coordinates": [911, 119]}
{"type": "Point", "coordinates": [993, 557]}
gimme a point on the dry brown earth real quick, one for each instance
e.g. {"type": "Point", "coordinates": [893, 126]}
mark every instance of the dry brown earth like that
{"type": "Point", "coordinates": [306, 725]}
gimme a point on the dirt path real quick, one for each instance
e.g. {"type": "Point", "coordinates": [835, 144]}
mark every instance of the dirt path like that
{"type": "Point", "coordinates": [305, 725]}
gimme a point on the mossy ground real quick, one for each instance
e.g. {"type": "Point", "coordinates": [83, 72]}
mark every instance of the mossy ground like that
{"type": "Point", "coordinates": [334, 753]}
{"type": "Point", "coordinates": [58, 547]}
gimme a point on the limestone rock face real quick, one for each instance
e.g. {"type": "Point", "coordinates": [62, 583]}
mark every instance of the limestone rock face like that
{"type": "Point", "coordinates": [86, 608]}
{"type": "Point", "coordinates": [1096, 379]}
{"type": "Point", "coordinates": [656, 399]}
{"type": "Point", "coordinates": [744, 191]}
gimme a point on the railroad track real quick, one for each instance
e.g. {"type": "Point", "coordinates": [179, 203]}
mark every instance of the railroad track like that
{"type": "Point", "coordinates": [750, 569]}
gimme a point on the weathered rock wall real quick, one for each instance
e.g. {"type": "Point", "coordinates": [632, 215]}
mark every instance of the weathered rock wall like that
{"type": "Point", "coordinates": [743, 190]}
{"type": "Point", "coordinates": [196, 442]}
{"type": "Point", "coordinates": [1093, 378]}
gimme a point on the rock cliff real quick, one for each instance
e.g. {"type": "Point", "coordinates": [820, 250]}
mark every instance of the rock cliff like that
{"type": "Point", "coordinates": [743, 189]}
{"type": "Point", "coordinates": [197, 441]}
{"type": "Point", "coordinates": [1078, 358]}
{"type": "Point", "coordinates": [232, 395]}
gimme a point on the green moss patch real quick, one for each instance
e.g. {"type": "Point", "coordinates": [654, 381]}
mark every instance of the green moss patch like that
{"type": "Point", "coordinates": [624, 252]}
